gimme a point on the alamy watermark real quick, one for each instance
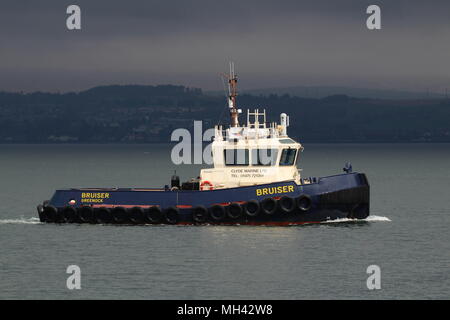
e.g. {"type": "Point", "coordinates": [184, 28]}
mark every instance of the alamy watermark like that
{"type": "Point", "coordinates": [374, 20]}
{"type": "Point", "coordinates": [374, 280]}
{"type": "Point", "coordinates": [190, 149]}
{"type": "Point", "coordinates": [74, 280]}
{"type": "Point", "coordinates": [189, 146]}
{"type": "Point", "coordinates": [73, 22]}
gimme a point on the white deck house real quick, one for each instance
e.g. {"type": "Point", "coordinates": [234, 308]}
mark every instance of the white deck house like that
{"type": "Point", "coordinates": [256, 153]}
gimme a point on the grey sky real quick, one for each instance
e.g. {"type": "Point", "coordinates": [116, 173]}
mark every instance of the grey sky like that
{"type": "Point", "coordinates": [273, 43]}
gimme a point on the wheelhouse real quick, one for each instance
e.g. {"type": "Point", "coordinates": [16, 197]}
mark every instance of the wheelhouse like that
{"type": "Point", "coordinates": [256, 153]}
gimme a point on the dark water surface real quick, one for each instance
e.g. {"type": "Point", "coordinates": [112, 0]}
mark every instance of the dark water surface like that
{"type": "Point", "coordinates": [407, 234]}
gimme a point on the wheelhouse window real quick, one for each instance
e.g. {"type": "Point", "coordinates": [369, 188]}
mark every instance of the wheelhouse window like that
{"type": "Point", "coordinates": [236, 157]}
{"type": "Point", "coordinates": [286, 141]}
{"type": "Point", "coordinates": [264, 157]}
{"type": "Point", "coordinates": [288, 157]}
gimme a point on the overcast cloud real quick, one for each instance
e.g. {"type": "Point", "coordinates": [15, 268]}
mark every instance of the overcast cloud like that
{"type": "Point", "coordinates": [273, 43]}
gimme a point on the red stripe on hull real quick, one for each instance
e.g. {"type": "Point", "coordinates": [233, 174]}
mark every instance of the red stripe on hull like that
{"type": "Point", "coordinates": [277, 223]}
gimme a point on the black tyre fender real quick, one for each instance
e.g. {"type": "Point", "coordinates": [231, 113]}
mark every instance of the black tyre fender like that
{"type": "Point", "coordinates": [304, 202]}
{"type": "Point", "coordinates": [85, 214]}
{"type": "Point", "coordinates": [40, 210]}
{"type": "Point", "coordinates": [69, 214]}
{"type": "Point", "coordinates": [269, 206]}
{"type": "Point", "coordinates": [252, 208]}
{"type": "Point", "coordinates": [200, 214]}
{"type": "Point", "coordinates": [119, 214]}
{"type": "Point", "coordinates": [50, 213]}
{"type": "Point", "coordinates": [287, 204]}
{"type": "Point", "coordinates": [59, 216]}
{"type": "Point", "coordinates": [171, 215]}
{"type": "Point", "coordinates": [153, 215]}
{"type": "Point", "coordinates": [136, 214]}
{"type": "Point", "coordinates": [217, 212]}
{"type": "Point", "coordinates": [234, 210]}
{"type": "Point", "coordinates": [359, 211]}
{"type": "Point", "coordinates": [102, 215]}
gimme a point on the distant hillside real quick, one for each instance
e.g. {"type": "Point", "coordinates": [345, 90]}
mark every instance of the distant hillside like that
{"type": "Point", "coordinates": [321, 92]}
{"type": "Point", "coordinates": [134, 113]}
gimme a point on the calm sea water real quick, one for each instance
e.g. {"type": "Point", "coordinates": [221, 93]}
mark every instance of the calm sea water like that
{"type": "Point", "coordinates": [407, 234]}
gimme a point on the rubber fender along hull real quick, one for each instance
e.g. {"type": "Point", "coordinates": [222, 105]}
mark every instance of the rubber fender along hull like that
{"type": "Point", "coordinates": [328, 198]}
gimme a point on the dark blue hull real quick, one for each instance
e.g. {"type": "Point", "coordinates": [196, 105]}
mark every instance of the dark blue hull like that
{"type": "Point", "coordinates": [281, 203]}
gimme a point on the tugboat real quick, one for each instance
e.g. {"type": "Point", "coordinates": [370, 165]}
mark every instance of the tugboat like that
{"type": "Point", "coordinates": [254, 181]}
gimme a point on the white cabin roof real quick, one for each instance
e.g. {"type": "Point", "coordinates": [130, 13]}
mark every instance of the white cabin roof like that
{"type": "Point", "coordinates": [255, 133]}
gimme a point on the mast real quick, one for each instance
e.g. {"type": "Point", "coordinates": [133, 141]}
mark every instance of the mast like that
{"type": "Point", "coordinates": [232, 93]}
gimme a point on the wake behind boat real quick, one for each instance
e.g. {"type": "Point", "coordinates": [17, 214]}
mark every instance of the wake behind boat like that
{"type": "Point", "coordinates": [254, 180]}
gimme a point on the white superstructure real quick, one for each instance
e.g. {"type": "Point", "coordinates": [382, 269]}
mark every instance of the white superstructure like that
{"type": "Point", "coordinates": [255, 153]}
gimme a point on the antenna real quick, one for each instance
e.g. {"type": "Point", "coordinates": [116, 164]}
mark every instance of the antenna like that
{"type": "Point", "coordinates": [232, 93]}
